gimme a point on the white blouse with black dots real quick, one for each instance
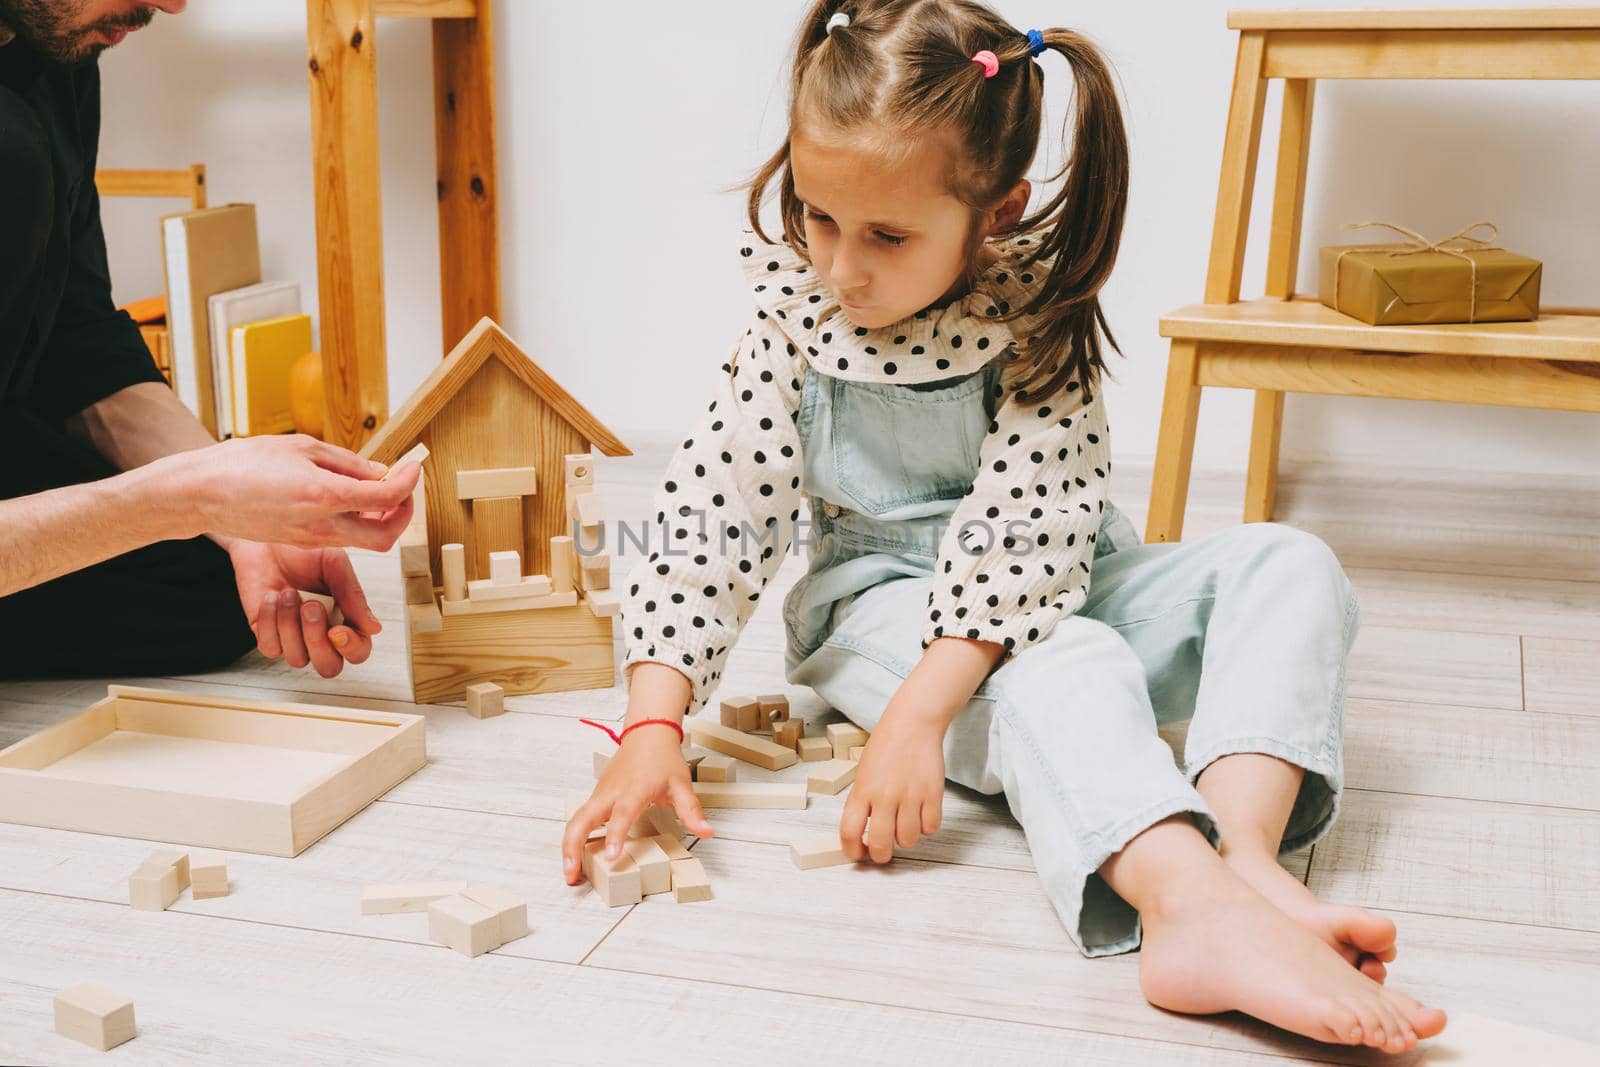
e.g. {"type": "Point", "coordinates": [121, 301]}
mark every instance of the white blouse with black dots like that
{"type": "Point", "coordinates": [729, 503]}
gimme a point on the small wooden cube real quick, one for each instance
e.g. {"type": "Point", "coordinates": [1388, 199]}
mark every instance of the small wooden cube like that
{"type": "Point", "coordinates": [485, 700]}
{"type": "Point", "coordinates": [178, 861]}
{"type": "Point", "coordinates": [770, 709]}
{"type": "Point", "coordinates": [655, 869]}
{"type": "Point", "coordinates": [505, 568]}
{"type": "Point", "coordinates": [814, 749]}
{"type": "Point", "coordinates": [741, 713]}
{"type": "Point", "coordinates": [855, 753]}
{"type": "Point", "coordinates": [616, 881]}
{"type": "Point", "coordinates": [511, 912]}
{"type": "Point", "coordinates": [716, 768]}
{"type": "Point", "coordinates": [464, 925]}
{"type": "Point", "coordinates": [153, 888]}
{"type": "Point", "coordinates": [94, 1016]}
{"type": "Point", "coordinates": [209, 878]}
{"type": "Point", "coordinates": [831, 776]}
{"type": "Point", "coordinates": [578, 469]}
{"type": "Point", "coordinates": [689, 881]}
{"type": "Point", "coordinates": [788, 732]}
{"type": "Point", "coordinates": [419, 589]}
{"type": "Point", "coordinates": [844, 736]}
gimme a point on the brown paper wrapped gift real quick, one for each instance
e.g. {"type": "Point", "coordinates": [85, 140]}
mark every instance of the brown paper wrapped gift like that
{"type": "Point", "coordinates": [1459, 279]}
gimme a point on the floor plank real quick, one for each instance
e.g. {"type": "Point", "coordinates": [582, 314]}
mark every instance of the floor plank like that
{"type": "Point", "coordinates": [1435, 667]}
{"type": "Point", "coordinates": [947, 937]}
{"type": "Point", "coordinates": [1562, 674]}
{"type": "Point", "coordinates": [213, 990]}
{"type": "Point", "coordinates": [1469, 859]}
{"type": "Point", "coordinates": [1478, 603]}
{"type": "Point", "coordinates": [1514, 757]}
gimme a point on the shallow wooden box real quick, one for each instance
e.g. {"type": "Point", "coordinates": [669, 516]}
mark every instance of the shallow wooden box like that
{"type": "Point", "coordinates": [196, 769]}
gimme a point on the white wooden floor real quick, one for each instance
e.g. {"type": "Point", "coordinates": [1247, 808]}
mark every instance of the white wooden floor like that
{"type": "Point", "coordinates": [1473, 819]}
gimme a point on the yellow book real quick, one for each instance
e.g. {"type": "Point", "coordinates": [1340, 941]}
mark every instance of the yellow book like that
{"type": "Point", "coordinates": [264, 353]}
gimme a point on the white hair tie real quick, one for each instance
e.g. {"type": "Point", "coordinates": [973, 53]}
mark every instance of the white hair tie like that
{"type": "Point", "coordinates": [837, 19]}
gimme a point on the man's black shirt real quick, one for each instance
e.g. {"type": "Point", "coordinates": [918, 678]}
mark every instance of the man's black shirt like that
{"type": "Point", "coordinates": [63, 344]}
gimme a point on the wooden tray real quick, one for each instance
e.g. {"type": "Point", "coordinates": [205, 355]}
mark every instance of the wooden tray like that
{"type": "Point", "coordinates": [246, 775]}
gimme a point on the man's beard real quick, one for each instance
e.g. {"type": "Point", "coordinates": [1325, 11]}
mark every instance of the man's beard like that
{"type": "Point", "coordinates": [51, 27]}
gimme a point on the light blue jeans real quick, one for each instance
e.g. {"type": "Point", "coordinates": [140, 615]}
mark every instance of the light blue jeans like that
{"type": "Point", "coordinates": [1245, 633]}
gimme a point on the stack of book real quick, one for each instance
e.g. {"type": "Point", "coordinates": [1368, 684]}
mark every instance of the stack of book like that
{"type": "Point", "coordinates": [232, 339]}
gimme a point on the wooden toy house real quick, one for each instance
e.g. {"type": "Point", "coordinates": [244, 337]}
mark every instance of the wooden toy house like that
{"type": "Point", "coordinates": [496, 587]}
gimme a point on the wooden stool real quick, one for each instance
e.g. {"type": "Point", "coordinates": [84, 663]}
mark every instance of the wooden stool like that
{"type": "Point", "coordinates": [1288, 343]}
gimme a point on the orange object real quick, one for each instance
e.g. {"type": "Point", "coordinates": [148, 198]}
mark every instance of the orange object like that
{"type": "Point", "coordinates": [305, 394]}
{"type": "Point", "coordinates": [150, 310]}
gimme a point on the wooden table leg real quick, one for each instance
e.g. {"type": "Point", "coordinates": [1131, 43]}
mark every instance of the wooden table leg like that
{"type": "Point", "coordinates": [1180, 411]}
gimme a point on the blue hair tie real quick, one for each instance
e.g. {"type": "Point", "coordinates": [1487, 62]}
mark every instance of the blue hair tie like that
{"type": "Point", "coordinates": [1035, 43]}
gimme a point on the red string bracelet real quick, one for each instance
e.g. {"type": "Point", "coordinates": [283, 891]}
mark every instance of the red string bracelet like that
{"type": "Point", "coordinates": [642, 722]}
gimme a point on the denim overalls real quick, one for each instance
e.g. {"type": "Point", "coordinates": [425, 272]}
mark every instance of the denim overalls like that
{"type": "Point", "coordinates": [1245, 633]}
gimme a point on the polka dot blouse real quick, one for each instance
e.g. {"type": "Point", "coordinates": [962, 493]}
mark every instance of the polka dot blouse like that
{"type": "Point", "coordinates": [728, 505]}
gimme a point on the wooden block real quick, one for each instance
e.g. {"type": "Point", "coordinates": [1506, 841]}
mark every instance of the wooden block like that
{"type": "Point", "coordinates": [557, 648]}
{"type": "Point", "coordinates": [498, 481]}
{"type": "Point", "coordinates": [616, 881]}
{"type": "Point", "coordinates": [693, 756]}
{"type": "Point", "coordinates": [505, 568]}
{"type": "Point", "coordinates": [413, 555]}
{"type": "Point", "coordinates": [788, 732]}
{"type": "Point", "coordinates": [601, 759]}
{"type": "Point", "coordinates": [603, 602]}
{"type": "Point", "coordinates": [415, 454]}
{"type": "Point", "coordinates": [663, 820]}
{"type": "Point", "coordinates": [496, 527]}
{"type": "Point", "coordinates": [511, 911]}
{"type": "Point", "coordinates": [689, 881]}
{"type": "Point", "coordinates": [589, 508]}
{"type": "Point", "coordinates": [831, 776]}
{"type": "Point", "coordinates": [453, 562]}
{"type": "Point", "coordinates": [718, 738]}
{"type": "Point", "coordinates": [208, 878]}
{"type": "Point", "coordinates": [844, 736]}
{"type": "Point", "coordinates": [786, 795]}
{"type": "Point", "coordinates": [94, 1016]}
{"type": "Point", "coordinates": [509, 605]}
{"type": "Point", "coordinates": [729, 716]}
{"type": "Point", "coordinates": [562, 564]}
{"type": "Point", "coordinates": [716, 768]}
{"type": "Point", "coordinates": [823, 850]}
{"type": "Point", "coordinates": [489, 589]}
{"type": "Point", "coordinates": [814, 749]}
{"type": "Point", "coordinates": [419, 589]}
{"type": "Point", "coordinates": [595, 570]}
{"type": "Point", "coordinates": [578, 469]}
{"type": "Point", "coordinates": [170, 857]}
{"type": "Point", "coordinates": [672, 846]}
{"type": "Point", "coordinates": [405, 896]}
{"type": "Point", "coordinates": [655, 870]}
{"type": "Point", "coordinates": [855, 753]}
{"type": "Point", "coordinates": [464, 925]}
{"type": "Point", "coordinates": [772, 708]}
{"type": "Point", "coordinates": [485, 700]}
{"type": "Point", "coordinates": [425, 618]}
{"type": "Point", "coordinates": [153, 888]}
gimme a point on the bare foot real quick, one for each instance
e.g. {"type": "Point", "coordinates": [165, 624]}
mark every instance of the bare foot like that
{"type": "Point", "coordinates": [1365, 940]}
{"type": "Point", "coordinates": [1218, 945]}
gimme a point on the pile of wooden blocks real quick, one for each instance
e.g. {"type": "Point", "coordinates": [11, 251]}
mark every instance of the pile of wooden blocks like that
{"type": "Point", "coordinates": [471, 918]}
{"type": "Point", "coordinates": [761, 731]}
{"type": "Point", "coordinates": [164, 875]}
{"type": "Point", "coordinates": [653, 860]}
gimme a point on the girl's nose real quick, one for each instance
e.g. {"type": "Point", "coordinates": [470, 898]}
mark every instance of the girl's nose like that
{"type": "Point", "coordinates": [847, 273]}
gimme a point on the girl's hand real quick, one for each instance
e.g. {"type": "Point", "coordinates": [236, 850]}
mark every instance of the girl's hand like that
{"type": "Point", "coordinates": [648, 769]}
{"type": "Point", "coordinates": [898, 795]}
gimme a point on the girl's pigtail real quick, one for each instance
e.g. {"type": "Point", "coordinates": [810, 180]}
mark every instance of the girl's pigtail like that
{"type": "Point", "coordinates": [1081, 227]}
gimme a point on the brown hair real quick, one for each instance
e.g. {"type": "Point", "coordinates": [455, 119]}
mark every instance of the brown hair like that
{"type": "Point", "coordinates": [906, 67]}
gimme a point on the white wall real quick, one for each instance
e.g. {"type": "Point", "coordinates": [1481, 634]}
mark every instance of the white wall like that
{"type": "Point", "coordinates": [622, 123]}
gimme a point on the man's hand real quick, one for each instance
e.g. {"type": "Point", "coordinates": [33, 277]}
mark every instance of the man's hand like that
{"type": "Point", "coordinates": [898, 794]}
{"type": "Point", "coordinates": [270, 578]}
{"type": "Point", "coordinates": [291, 490]}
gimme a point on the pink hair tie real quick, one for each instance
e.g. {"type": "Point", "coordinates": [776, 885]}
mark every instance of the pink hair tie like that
{"type": "Point", "coordinates": [989, 61]}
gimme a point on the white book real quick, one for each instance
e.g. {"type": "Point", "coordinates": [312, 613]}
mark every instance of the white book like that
{"type": "Point", "coordinates": [240, 307]}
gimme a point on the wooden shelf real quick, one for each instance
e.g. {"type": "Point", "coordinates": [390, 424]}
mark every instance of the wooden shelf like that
{"type": "Point", "coordinates": [427, 9]}
{"type": "Point", "coordinates": [1310, 324]}
{"type": "Point", "coordinates": [1503, 18]}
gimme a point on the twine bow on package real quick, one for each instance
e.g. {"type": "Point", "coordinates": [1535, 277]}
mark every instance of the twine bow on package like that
{"type": "Point", "coordinates": [1459, 279]}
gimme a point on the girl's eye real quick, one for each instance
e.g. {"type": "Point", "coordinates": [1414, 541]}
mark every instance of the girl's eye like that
{"type": "Point", "coordinates": [890, 238]}
{"type": "Point", "coordinates": [817, 216]}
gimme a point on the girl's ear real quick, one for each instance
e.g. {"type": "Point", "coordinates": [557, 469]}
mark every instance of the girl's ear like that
{"type": "Point", "coordinates": [1005, 215]}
